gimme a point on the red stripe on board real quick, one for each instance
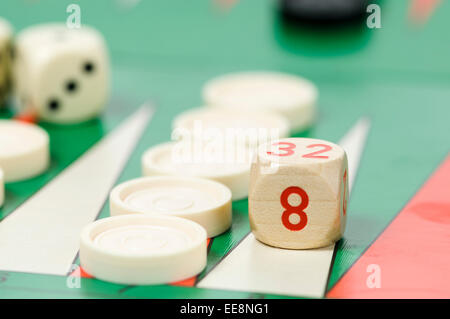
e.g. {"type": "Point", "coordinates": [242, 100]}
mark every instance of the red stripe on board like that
{"type": "Point", "coordinates": [225, 5]}
{"type": "Point", "coordinates": [412, 255]}
{"type": "Point", "coordinates": [185, 283]}
{"type": "Point", "coordinates": [27, 116]}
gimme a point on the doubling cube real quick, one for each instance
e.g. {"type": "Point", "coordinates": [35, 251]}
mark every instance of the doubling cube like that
{"type": "Point", "coordinates": [61, 74]}
{"type": "Point", "coordinates": [5, 60]}
{"type": "Point", "coordinates": [298, 193]}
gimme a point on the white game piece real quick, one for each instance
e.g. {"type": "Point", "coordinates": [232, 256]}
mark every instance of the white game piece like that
{"type": "Point", "coordinates": [61, 74]}
{"type": "Point", "coordinates": [2, 188]}
{"type": "Point", "coordinates": [143, 249]}
{"type": "Point", "coordinates": [203, 201]}
{"type": "Point", "coordinates": [5, 60]}
{"type": "Point", "coordinates": [251, 128]}
{"type": "Point", "coordinates": [24, 150]}
{"type": "Point", "coordinates": [289, 95]}
{"type": "Point", "coordinates": [229, 165]}
{"type": "Point", "coordinates": [298, 193]}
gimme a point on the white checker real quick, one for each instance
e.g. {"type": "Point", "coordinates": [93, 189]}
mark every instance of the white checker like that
{"type": "Point", "coordinates": [203, 201]}
{"type": "Point", "coordinates": [24, 150]}
{"type": "Point", "coordinates": [229, 165]}
{"type": "Point", "coordinates": [289, 95]}
{"type": "Point", "coordinates": [143, 249]}
{"type": "Point", "coordinates": [249, 127]}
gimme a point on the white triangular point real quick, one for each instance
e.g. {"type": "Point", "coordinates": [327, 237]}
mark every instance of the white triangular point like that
{"type": "Point", "coordinates": [255, 267]}
{"type": "Point", "coordinates": [353, 143]}
{"type": "Point", "coordinates": [42, 235]}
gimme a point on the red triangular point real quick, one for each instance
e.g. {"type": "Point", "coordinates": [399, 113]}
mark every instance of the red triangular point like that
{"type": "Point", "coordinates": [186, 283]}
{"type": "Point", "coordinates": [421, 10]}
{"type": "Point", "coordinates": [79, 272]}
{"type": "Point", "coordinates": [27, 116]}
{"type": "Point", "coordinates": [411, 257]}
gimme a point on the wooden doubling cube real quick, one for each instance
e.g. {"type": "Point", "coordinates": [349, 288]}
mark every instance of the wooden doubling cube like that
{"type": "Point", "coordinates": [298, 193]}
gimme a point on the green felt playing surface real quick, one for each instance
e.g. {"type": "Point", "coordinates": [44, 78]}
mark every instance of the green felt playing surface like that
{"type": "Point", "coordinates": [164, 51]}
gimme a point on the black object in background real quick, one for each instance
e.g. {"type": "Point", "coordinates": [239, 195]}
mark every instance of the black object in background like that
{"type": "Point", "coordinates": [324, 12]}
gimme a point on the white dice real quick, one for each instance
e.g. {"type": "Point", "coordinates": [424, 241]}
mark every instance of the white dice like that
{"type": "Point", "coordinates": [61, 74]}
{"type": "Point", "coordinates": [5, 60]}
{"type": "Point", "coordinates": [298, 193]}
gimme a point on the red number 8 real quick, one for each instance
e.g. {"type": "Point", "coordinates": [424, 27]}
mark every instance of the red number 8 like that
{"type": "Point", "coordinates": [294, 209]}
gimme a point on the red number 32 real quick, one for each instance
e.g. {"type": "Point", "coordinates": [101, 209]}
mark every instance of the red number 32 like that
{"type": "Point", "coordinates": [288, 148]}
{"type": "Point", "coordinates": [325, 148]}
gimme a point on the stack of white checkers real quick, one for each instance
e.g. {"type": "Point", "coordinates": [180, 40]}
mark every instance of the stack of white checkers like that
{"type": "Point", "coordinates": [24, 152]}
{"type": "Point", "coordinates": [159, 223]}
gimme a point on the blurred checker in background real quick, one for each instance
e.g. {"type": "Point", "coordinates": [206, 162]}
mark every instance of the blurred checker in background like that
{"type": "Point", "coordinates": [323, 12]}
